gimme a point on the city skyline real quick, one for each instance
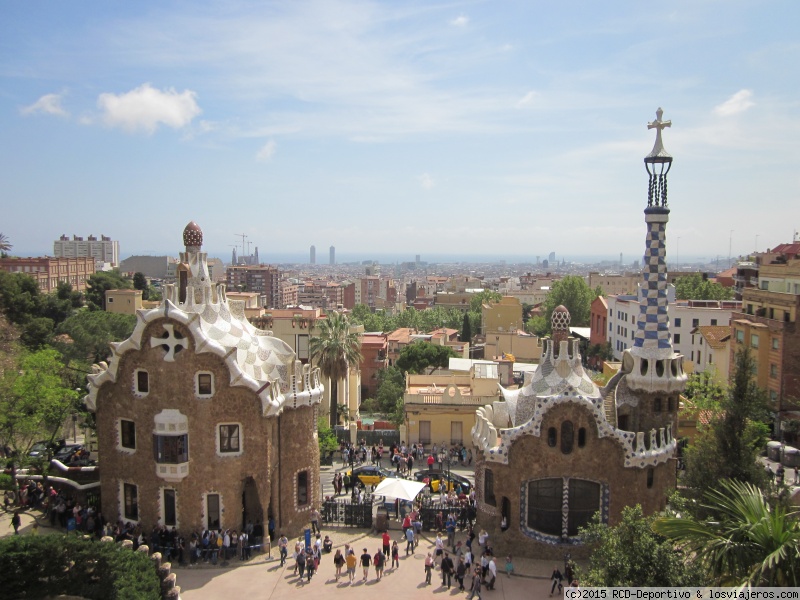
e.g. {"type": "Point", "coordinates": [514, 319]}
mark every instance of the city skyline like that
{"type": "Point", "coordinates": [496, 129]}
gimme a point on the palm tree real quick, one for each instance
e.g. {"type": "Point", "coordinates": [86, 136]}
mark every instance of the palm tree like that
{"type": "Point", "coordinates": [749, 543]}
{"type": "Point", "coordinates": [335, 350]}
{"type": "Point", "coordinates": [5, 245]}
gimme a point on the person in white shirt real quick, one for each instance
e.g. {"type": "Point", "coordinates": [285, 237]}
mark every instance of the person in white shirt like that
{"type": "Point", "coordinates": [439, 547]}
{"type": "Point", "coordinates": [492, 574]}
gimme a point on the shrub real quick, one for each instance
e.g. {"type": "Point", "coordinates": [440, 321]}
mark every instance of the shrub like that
{"type": "Point", "coordinates": [38, 566]}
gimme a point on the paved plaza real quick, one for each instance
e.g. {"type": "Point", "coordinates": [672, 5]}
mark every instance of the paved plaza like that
{"type": "Point", "coordinates": [263, 577]}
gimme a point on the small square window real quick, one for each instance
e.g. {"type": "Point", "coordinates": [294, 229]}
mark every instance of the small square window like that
{"type": "Point", "coordinates": [677, 338]}
{"type": "Point", "coordinates": [205, 384]}
{"type": "Point", "coordinates": [713, 322]}
{"type": "Point", "coordinates": [773, 371]}
{"type": "Point", "coordinates": [695, 322]}
{"type": "Point", "coordinates": [229, 438]}
{"type": "Point", "coordinates": [775, 343]}
{"type": "Point", "coordinates": [678, 322]}
{"type": "Point", "coordinates": [127, 434]}
{"type": "Point", "coordinates": [142, 381]}
{"type": "Point", "coordinates": [754, 340]}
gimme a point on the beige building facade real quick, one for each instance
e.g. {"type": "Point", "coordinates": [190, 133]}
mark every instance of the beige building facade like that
{"type": "Point", "coordinates": [125, 302]}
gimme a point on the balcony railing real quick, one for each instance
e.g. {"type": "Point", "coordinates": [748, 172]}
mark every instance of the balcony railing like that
{"type": "Point", "coordinates": [444, 399]}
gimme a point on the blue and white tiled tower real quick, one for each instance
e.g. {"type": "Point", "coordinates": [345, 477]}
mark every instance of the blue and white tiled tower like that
{"type": "Point", "coordinates": [652, 364]}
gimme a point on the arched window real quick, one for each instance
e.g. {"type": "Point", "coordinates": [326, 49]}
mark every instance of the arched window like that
{"type": "Point", "coordinates": [650, 477]}
{"type": "Point", "coordinates": [549, 501]}
{"type": "Point", "coordinates": [581, 437]}
{"type": "Point", "coordinates": [552, 437]}
{"type": "Point", "coordinates": [567, 435]}
{"type": "Point", "coordinates": [669, 404]}
{"type": "Point", "coordinates": [657, 405]}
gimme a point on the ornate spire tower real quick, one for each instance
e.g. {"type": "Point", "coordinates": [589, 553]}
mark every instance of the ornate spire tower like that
{"type": "Point", "coordinates": [652, 363]}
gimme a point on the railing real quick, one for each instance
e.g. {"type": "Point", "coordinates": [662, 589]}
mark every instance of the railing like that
{"type": "Point", "coordinates": [433, 515]}
{"type": "Point", "coordinates": [442, 399]}
{"type": "Point", "coordinates": [347, 513]}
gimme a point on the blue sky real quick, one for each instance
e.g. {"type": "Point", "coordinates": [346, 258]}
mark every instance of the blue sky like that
{"type": "Point", "coordinates": [508, 128]}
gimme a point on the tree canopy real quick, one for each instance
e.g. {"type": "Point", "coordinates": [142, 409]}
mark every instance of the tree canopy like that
{"type": "Point", "coordinates": [35, 400]}
{"type": "Point", "coordinates": [574, 293]}
{"type": "Point", "coordinates": [91, 332]}
{"type": "Point", "coordinates": [335, 349]}
{"type": "Point", "coordinates": [100, 282]}
{"type": "Point", "coordinates": [632, 554]}
{"type": "Point", "coordinates": [728, 447]}
{"type": "Point", "coordinates": [695, 287]}
{"type": "Point", "coordinates": [421, 356]}
{"type": "Point", "coordinates": [743, 540]}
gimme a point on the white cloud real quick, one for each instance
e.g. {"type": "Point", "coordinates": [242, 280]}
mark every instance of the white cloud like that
{"type": "Point", "coordinates": [738, 103]}
{"type": "Point", "coordinates": [460, 21]}
{"type": "Point", "coordinates": [426, 181]}
{"type": "Point", "coordinates": [49, 104]}
{"type": "Point", "coordinates": [146, 108]}
{"type": "Point", "coordinates": [267, 151]}
{"type": "Point", "coordinates": [527, 99]}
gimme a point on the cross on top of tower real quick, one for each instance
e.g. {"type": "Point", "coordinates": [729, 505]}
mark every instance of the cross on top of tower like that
{"type": "Point", "coordinates": [658, 150]}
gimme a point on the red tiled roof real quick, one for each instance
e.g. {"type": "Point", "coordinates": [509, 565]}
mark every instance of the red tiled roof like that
{"type": "Point", "coordinates": [716, 335]}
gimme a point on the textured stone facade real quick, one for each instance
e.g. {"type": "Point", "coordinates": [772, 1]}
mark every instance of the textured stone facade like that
{"type": "Point", "coordinates": [204, 421]}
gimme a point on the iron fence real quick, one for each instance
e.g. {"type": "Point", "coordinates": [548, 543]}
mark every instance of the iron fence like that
{"type": "Point", "coordinates": [345, 512]}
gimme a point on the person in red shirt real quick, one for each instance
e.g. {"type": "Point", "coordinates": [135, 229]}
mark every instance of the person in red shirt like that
{"type": "Point", "coordinates": [387, 543]}
{"type": "Point", "coordinates": [431, 460]}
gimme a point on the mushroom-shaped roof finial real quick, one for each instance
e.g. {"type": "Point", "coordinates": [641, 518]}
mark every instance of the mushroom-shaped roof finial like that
{"type": "Point", "coordinates": [560, 319]}
{"type": "Point", "coordinates": [192, 235]}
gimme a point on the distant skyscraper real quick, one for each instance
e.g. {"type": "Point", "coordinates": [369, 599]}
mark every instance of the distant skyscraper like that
{"type": "Point", "coordinates": [333, 255]}
{"type": "Point", "coordinates": [313, 257]}
{"type": "Point", "coordinates": [552, 257]}
{"type": "Point", "coordinates": [417, 260]}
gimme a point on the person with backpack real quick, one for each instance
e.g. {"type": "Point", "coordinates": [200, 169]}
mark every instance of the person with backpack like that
{"type": "Point", "coordinates": [378, 560]}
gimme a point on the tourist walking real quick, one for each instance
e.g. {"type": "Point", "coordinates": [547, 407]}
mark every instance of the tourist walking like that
{"type": "Point", "coordinates": [338, 562]}
{"type": "Point", "coordinates": [428, 568]}
{"type": "Point", "coordinates": [475, 589]}
{"type": "Point", "coordinates": [447, 570]}
{"type": "Point", "coordinates": [378, 560]}
{"type": "Point", "coordinates": [395, 555]}
{"type": "Point", "coordinates": [366, 561]}
{"type": "Point", "coordinates": [351, 561]}
{"type": "Point", "coordinates": [557, 578]}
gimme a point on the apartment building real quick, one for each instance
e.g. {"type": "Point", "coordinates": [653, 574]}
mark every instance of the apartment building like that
{"type": "Point", "coordinates": [104, 250]}
{"type": "Point", "coordinates": [262, 279]}
{"type": "Point", "coordinates": [49, 271]}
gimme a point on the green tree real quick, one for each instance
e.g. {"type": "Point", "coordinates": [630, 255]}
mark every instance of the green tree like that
{"type": "Point", "coordinates": [326, 438]}
{"type": "Point", "coordinates": [19, 297]}
{"type": "Point", "coordinates": [99, 283]}
{"type": "Point", "coordinates": [421, 356]}
{"type": "Point", "coordinates": [704, 391]}
{"type": "Point", "coordinates": [477, 301]}
{"type": "Point", "coordinates": [743, 541]}
{"type": "Point", "coordinates": [632, 554]}
{"type": "Point", "coordinates": [391, 388]}
{"type": "Point", "coordinates": [466, 329]}
{"type": "Point", "coordinates": [695, 287]}
{"type": "Point", "coordinates": [90, 333]}
{"type": "Point", "coordinates": [37, 333]}
{"type": "Point", "coordinates": [573, 292]}
{"type": "Point", "coordinates": [729, 446]}
{"type": "Point", "coordinates": [5, 245]}
{"type": "Point", "coordinates": [140, 283]}
{"type": "Point", "coordinates": [335, 349]}
{"type": "Point", "coordinates": [538, 325]}
{"type": "Point", "coordinates": [34, 402]}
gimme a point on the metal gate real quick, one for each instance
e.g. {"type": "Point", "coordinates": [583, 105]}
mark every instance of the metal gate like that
{"type": "Point", "coordinates": [372, 438]}
{"type": "Point", "coordinates": [350, 514]}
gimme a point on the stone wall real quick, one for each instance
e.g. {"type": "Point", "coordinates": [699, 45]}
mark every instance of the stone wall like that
{"type": "Point", "coordinates": [600, 460]}
{"type": "Point", "coordinates": [172, 386]}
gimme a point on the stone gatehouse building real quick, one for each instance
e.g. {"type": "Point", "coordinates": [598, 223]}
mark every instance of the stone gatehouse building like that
{"type": "Point", "coordinates": [204, 421]}
{"type": "Point", "coordinates": [559, 450]}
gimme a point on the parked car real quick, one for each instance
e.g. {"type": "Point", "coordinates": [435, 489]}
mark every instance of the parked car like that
{"type": "Point", "coordinates": [370, 475]}
{"type": "Point", "coordinates": [74, 455]}
{"type": "Point", "coordinates": [40, 448]}
{"type": "Point", "coordinates": [434, 478]}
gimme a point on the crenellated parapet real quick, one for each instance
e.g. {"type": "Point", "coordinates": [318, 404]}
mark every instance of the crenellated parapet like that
{"type": "Point", "coordinates": [642, 449]}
